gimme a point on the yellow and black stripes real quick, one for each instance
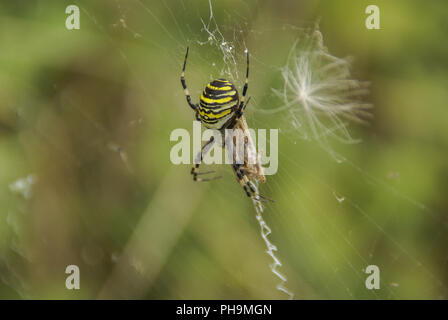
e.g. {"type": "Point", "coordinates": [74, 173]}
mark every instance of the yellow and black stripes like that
{"type": "Point", "coordinates": [218, 103]}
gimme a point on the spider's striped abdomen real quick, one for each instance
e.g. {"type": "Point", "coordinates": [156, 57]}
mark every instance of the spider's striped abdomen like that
{"type": "Point", "coordinates": [218, 103]}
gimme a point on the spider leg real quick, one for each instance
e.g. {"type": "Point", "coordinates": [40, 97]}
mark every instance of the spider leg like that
{"type": "Point", "coordinates": [194, 171]}
{"type": "Point", "coordinates": [184, 84]}
{"type": "Point", "coordinates": [248, 186]}
{"type": "Point", "coordinates": [242, 105]}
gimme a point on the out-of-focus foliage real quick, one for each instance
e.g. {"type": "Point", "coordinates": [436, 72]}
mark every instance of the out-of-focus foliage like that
{"type": "Point", "coordinates": [85, 120]}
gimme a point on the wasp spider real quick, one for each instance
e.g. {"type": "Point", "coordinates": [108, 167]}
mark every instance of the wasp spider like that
{"type": "Point", "coordinates": [221, 108]}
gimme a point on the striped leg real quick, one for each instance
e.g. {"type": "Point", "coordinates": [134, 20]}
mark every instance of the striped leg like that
{"type": "Point", "coordinates": [184, 85]}
{"type": "Point", "coordinates": [243, 105]}
{"type": "Point", "coordinates": [248, 186]}
{"type": "Point", "coordinates": [195, 170]}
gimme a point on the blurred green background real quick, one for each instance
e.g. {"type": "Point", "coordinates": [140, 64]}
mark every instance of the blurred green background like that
{"type": "Point", "coordinates": [85, 119]}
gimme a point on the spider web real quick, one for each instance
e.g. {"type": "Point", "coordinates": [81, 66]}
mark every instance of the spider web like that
{"type": "Point", "coordinates": [219, 47]}
{"type": "Point", "coordinates": [326, 233]}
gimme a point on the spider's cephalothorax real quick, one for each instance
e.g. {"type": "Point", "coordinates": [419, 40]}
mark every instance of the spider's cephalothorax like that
{"type": "Point", "coordinates": [220, 107]}
{"type": "Point", "coordinates": [218, 104]}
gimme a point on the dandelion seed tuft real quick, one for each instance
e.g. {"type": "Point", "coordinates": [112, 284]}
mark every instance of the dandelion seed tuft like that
{"type": "Point", "coordinates": [319, 94]}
